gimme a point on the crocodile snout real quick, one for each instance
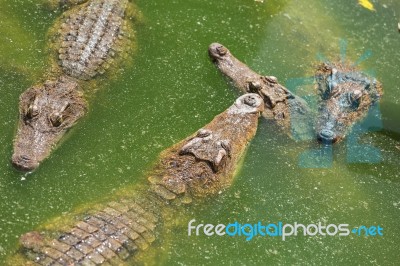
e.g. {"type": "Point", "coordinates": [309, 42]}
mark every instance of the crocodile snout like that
{"type": "Point", "coordinates": [24, 162]}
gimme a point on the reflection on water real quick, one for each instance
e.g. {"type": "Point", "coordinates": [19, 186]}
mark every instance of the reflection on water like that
{"type": "Point", "coordinates": [173, 89]}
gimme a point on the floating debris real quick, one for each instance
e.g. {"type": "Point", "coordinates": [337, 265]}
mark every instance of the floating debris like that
{"type": "Point", "coordinates": [287, 16]}
{"type": "Point", "coordinates": [398, 26]}
{"type": "Point", "coordinates": [366, 4]}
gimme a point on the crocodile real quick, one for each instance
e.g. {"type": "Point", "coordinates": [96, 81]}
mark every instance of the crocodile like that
{"type": "Point", "coordinates": [288, 111]}
{"type": "Point", "coordinates": [118, 231]}
{"type": "Point", "coordinates": [84, 42]}
{"type": "Point", "coordinates": [345, 97]}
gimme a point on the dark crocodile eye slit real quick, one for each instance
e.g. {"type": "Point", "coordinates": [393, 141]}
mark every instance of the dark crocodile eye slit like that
{"type": "Point", "coordinates": [254, 86]}
{"type": "Point", "coordinates": [202, 133]}
{"type": "Point", "coordinates": [227, 146]}
{"type": "Point", "coordinates": [353, 98]}
{"type": "Point", "coordinates": [30, 114]}
{"type": "Point", "coordinates": [272, 79]}
{"type": "Point", "coordinates": [65, 107]}
{"type": "Point", "coordinates": [355, 95]}
{"type": "Point", "coordinates": [56, 120]}
{"type": "Point", "coordinates": [33, 110]}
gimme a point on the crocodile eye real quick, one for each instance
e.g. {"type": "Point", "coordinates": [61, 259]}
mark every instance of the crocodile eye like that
{"type": "Point", "coordinates": [353, 98]}
{"type": "Point", "coordinates": [57, 118]}
{"type": "Point", "coordinates": [203, 133]}
{"type": "Point", "coordinates": [254, 86]}
{"type": "Point", "coordinates": [33, 109]}
{"type": "Point", "coordinates": [328, 86]}
{"type": "Point", "coordinates": [226, 145]}
{"type": "Point", "coordinates": [355, 95]}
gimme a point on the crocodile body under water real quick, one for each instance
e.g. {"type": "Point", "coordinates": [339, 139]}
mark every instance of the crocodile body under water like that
{"type": "Point", "coordinates": [290, 112]}
{"type": "Point", "coordinates": [86, 40]}
{"type": "Point", "coordinates": [115, 232]}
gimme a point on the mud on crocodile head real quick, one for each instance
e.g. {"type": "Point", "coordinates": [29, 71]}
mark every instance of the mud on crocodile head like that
{"type": "Point", "coordinates": [346, 95]}
{"type": "Point", "coordinates": [46, 112]}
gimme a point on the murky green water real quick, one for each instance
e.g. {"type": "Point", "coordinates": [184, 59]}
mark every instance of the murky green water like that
{"type": "Point", "coordinates": [173, 89]}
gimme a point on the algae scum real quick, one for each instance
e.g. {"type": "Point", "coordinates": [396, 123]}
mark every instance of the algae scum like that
{"type": "Point", "coordinates": [172, 89]}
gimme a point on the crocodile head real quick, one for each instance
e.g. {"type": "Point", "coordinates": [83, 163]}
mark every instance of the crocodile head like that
{"type": "Point", "coordinates": [346, 95]}
{"type": "Point", "coordinates": [46, 112]}
{"type": "Point", "coordinates": [205, 163]}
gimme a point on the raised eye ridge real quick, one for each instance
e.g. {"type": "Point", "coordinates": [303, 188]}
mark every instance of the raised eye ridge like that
{"type": "Point", "coordinates": [33, 109]}
{"type": "Point", "coordinates": [56, 119]}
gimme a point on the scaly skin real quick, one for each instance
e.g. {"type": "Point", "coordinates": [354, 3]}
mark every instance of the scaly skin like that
{"type": "Point", "coordinates": [89, 36]}
{"type": "Point", "coordinates": [85, 41]}
{"type": "Point", "coordinates": [288, 111]}
{"type": "Point", "coordinates": [116, 232]}
{"type": "Point", "coordinates": [46, 113]}
{"type": "Point", "coordinates": [346, 95]}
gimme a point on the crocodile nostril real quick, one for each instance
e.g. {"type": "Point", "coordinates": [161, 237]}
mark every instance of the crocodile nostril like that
{"type": "Point", "coordinates": [25, 158]}
{"type": "Point", "coordinates": [222, 50]}
{"type": "Point", "coordinates": [250, 101]}
{"type": "Point", "coordinates": [24, 163]}
{"type": "Point", "coordinates": [217, 49]}
{"type": "Point", "coordinates": [327, 136]}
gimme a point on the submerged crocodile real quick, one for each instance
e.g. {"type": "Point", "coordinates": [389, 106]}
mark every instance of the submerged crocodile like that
{"type": "Point", "coordinates": [290, 112]}
{"type": "Point", "coordinates": [85, 41]}
{"type": "Point", "coordinates": [346, 95]}
{"type": "Point", "coordinates": [115, 232]}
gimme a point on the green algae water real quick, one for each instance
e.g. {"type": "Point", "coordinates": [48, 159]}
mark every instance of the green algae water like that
{"type": "Point", "coordinates": [172, 89]}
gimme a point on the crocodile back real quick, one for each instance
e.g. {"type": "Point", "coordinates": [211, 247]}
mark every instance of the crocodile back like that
{"type": "Point", "coordinates": [90, 35]}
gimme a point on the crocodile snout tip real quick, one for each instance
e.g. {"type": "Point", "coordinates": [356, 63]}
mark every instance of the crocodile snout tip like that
{"type": "Point", "coordinates": [327, 136]}
{"type": "Point", "coordinates": [253, 100]}
{"type": "Point", "coordinates": [24, 163]}
{"type": "Point", "coordinates": [248, 104]}
{"type": "Point", "coordinates": [217, 50]}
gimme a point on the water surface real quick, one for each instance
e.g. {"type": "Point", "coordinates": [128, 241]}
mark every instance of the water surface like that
{"type": "Point", "coordinates": [172, 90]}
